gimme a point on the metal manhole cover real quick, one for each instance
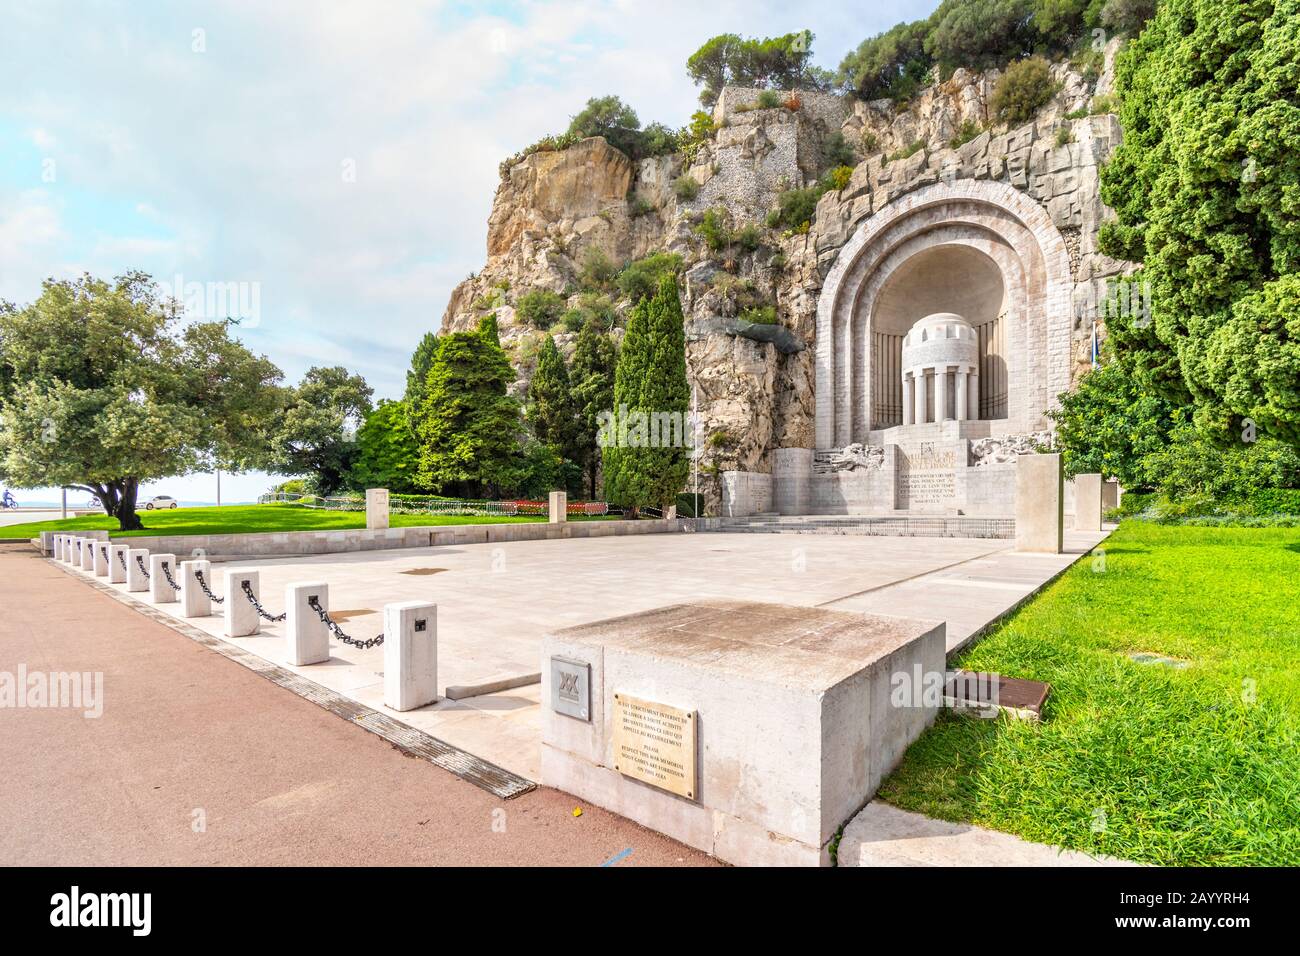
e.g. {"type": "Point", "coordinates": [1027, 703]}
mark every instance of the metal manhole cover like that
{"type": "Point", "coordinates": [422, 571]}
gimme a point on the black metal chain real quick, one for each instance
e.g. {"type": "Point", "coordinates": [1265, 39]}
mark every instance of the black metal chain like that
{"type": "Point", "coordinates": [203, 586]}
{"type": "Point", "coordinates": [247, 588]}
{"type": "Point", "coordinates": [139, 561]}
{"type": "Point", "coordinates": [338, 631]}
{"type": "Point", "coordinates": [168, 575]}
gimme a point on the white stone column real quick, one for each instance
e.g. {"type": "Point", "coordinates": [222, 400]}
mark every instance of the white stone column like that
{"type": "Point", "coordinates": [376, 509]}
{"type": "Point", "coordinates": [1040, 504]}
{"type": "Point", "coordinates": [88, 555]}
{"type": "Point", "coordinates": [973, 398]}
{"type": "Point", "coordinates": [963, 406]}
{"type": "Point", "coordinates": [918, 389]}
{"type": "Point", "coordinates": [194, 603]}
{"type": "Point", "coordinates": [410, 654]}
{"type": "Point", "coordinates": [1087, 502]}
{"type": "Point", "coordinates": [558, 507]}
{"type": "Point", "coordinates": [136, 580]}
{"type": "Point", "coordinates": [907, 398]}
{"type": "Point", "coordinates": [118, 556]}
{"type": "Point", "coordinates": [99, 560]}
{"type": "Point", "coordinates": [58, 547]}
{"type": "Point", "coordinates": [160, 592]}
{"type": "Point", "coordinates": [240, 617]}
{"type": "Point", "coordinates": [940, 393]}
{"type": "Point", "coordinates": [307, 639]}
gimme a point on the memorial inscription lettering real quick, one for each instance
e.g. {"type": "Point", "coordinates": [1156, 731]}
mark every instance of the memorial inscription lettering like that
{"type": "Point", "coordinates": [655, 743]}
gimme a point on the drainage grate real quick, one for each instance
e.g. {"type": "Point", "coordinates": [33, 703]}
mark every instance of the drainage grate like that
{"type": "Point", "coordinates": [421, 572]}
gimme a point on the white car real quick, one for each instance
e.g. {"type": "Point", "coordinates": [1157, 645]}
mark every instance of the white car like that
{"type": "Point", "coordinates": [160, 501]}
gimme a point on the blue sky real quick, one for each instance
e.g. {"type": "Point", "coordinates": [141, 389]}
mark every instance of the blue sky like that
{"type": "Point", "coordinates": [214, 142]}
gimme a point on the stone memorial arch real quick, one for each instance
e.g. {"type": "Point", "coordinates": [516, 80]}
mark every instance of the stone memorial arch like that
{"type": "Point", "coordinates": [982, 253]}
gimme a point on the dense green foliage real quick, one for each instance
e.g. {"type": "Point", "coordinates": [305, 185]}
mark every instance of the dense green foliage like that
{"type": "Point", "coordinates": [316, 435]}
{"type": "Point", "coordinates": [650, 378]}
{"type": "Point", "coordinates": [539, 308]}
{"type": "Point", "coordinates": [1205, 186]}
{"type": "Point", "coordinates": [552, 412]}
{"type": "Point", "coordinates": [468, 426]}
{"type": "Point", "coordinates": [101, 388]}
{"type": "Point", "coordinates": [641, 277]}
{"type": "Point", "coordinates": [418, 374]}
{"type": "Point", "coordinates": [592, 380]}
{"type": "Point", "coordinates": [1190, 765]}
{"type": "Point", "coordinates": [780, 63]}
{"type": "Point", "coordinates": [1022, 90]}
{"type": "Point", "coordinates": [387, 453]}
{"type": "Point", "coordinates": [610, 117]}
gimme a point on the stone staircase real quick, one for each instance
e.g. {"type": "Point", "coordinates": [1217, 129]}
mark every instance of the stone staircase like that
{"type": "Point", "coordinates": [899, 523]}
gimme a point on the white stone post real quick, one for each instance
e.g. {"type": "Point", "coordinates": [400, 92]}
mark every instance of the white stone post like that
{"type": "Point", "coordinates": [99, 559]}
{"type": "Point", "coordinates": [558, 508]}
{"type": "Point", "coordinates": [1087, 502]}
{"type": "Point", "coordinates": [940, 393]}
{"type": "Point", "coordinates": [410, 654]}
{"type": "Point", "coordinates": [241, 618]}
{"type": "Point", "coordinates": [118, 556]}
{"type": "Point", "coordinates": [160, 592]}
{"type": "Point", "coordinates": [907, 398]}
{"type": "Point", "coordinates": [376, 509]}
{"type": "Point", "coordinates": [135, 577]}
{"type": "Point", "coordinates": [88, 555]}
{"type": "Point", "coordinates": [69, 543]}
{"type": "Point", "coordinates": [963, 406]}
{"type": "Point", "coordinates": [1040, 504]}
{"type": "Point", "coordinates": [306, 638]}
{"type": "Point", "coordinates": [58, 547]}
{"type": "Point", "coordinates": [194, 603]}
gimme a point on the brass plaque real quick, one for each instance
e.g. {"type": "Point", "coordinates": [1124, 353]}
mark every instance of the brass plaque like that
{"type": "Point", "coordinates": [655, 743]}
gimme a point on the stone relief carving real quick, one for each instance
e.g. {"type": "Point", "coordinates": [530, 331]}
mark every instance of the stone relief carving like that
{"type": "Point", "coordinates": [849, 458]}
{"type": "Point", "coordinates": [1003, 449]}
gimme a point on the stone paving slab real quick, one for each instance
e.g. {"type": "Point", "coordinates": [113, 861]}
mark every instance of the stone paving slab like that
{"type": "Point", "coordinates": [883, 835]}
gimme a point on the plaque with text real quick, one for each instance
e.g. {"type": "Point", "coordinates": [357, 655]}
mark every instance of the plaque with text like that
{"type": "Point", "coordinates": [655, 743]}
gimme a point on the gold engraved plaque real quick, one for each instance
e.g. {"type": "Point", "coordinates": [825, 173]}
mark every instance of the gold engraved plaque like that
{"type": "Point", "coordinates": [655, 743]}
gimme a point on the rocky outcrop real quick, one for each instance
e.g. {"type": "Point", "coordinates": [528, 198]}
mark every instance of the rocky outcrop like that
{"type": "Point", "coordinates": [556, 212]}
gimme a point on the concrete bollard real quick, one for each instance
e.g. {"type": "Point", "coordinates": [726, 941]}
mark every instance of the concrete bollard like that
{"type": "Point", "coordinates": [1040, 504]}
{"type": "Point", "coordinates": [410, 654]}
{"type": "Point", "coordinates": [69, 545]}
{"type": "Point", "coordinates": [99, 559]}
{"type": "Point", "coordinates": [1087, 502]}
{"type": "Point", "coordinates": [136, 579]}
{"type": "Point", "coordinates": [376, 509]}
{"type": "Point", "coordinates": [118, 556]}
{"type": "Point", "coordinates": [194, 603]}
{"type": "Point", "coordinates": [88, 555]}
{"type": "Point", "coordinates": [241, 617]}
{"type": "Point", "coordinates": [160, 592]}
{"type": "Point", "coordinates": [47, 542]}
{"type": "Point", "coordinates": [306, 639]}
{"type": "Point", "coordinates": [558, 508]}
{"type": "Point", "coordinates": [58, 547]}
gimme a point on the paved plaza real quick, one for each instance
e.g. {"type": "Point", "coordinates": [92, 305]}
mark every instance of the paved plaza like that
{"type": "Point", "coordinates": [496, 602]}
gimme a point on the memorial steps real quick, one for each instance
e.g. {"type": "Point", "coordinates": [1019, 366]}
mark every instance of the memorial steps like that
{"type": "Point", "coordinates": [903, 524]}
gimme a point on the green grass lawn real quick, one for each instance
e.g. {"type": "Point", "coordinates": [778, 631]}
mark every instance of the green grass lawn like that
{"type": "Point", "coordinates": [1199, 765]}
{"type": "Point", "coordinates": [241, 519]}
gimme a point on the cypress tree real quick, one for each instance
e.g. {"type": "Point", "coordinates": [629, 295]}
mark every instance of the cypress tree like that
{"type": "Point", "coordinates": [593, 391]}
{"type": "Point", "coordinates": [552, 412]}
{"type": "Point", "coordinates": [650, 386]}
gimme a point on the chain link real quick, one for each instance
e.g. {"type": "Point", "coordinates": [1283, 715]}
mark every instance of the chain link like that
{"type": "Point", "coordinates": [168, 575]}
{"type": "Point", "coordinates": [139, 561]}
{"type": "Point", "coordinates": [247, 588]}
{"type": "Point", "coordinates": [203, 586]}
{"type": "Point", "coordinates": [338, 631]}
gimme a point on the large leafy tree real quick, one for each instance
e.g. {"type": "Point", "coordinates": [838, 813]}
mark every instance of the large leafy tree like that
{"type": "Point", "coordinates": [469, 427]}
{"type": "Point", "coordinates": [317, 433]}
{"type": "Point", "coordinates": [388, 455]}
{"type": "Point", "coordinates": [418, 374]}
{"type": "Point", "coordinates": [551, 410]}
{"type": "Point", "coordinates": [102, 388]}
{"type": "Point", "coordinates": [594, 358]}
{"type": "Point", "coordinates": [650, 378]}
{"type": "Point", "coordinates": [783, 62]}
{"type": "Point", "coordinates": [1206, 187]}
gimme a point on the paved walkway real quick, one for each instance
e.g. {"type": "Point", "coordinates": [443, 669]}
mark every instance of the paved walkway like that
{"type": "Point", "coordinates": [188, 737]}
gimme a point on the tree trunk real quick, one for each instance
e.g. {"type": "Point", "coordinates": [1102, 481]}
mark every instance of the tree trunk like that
{"type": "Point", "coordinates": [126, 491]}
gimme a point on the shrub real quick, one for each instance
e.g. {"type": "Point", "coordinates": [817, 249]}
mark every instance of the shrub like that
{"type": "Point", "coordinates": [768, 100]}
{"type": "Point", "coordinates": [968, 131]}
{"type": "Point", "coordinates": [836, 179]}
{"type": "Point", "coordinates": [749, 237]}
{"type": "Point", "coordinates": [838, 152]}
{"type": "Point", "coordinates": [1127, 16]}
{"type": "Point", "coordinates": [539, 308]}
{"type": "Point", "coordinates": [1105, 103]}
{"type": "Point", "coordinates": [641, 278]}
{"type": "Point", "coordinates": [610, 117]}
{"type": "Point", "coordinates": [1064, 136]}
{"type": "Point", "coordinates": [685, 187]}
{"type": "Point", "coordinates": [1022, 90]}
{"type": "Point", "coordinates": [714, 230]}
{"type": "Point", "coordinates": [597, 271]}
{"type": "Point", "coordinates": [657, 140]}
{"type": "Point", "coordinates": [870, 141]}
{"type": "Point", "coordinates": [795, 207]}
{"type": "Point", "coordinates": [893, 64]}
{"type": "Point", "coordinates": [695, 134]}
{"type": "Point", "coordinates": [911, 149]}
{"type": "Point", "coordinates": [639, 206]}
